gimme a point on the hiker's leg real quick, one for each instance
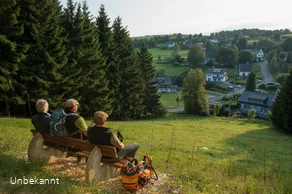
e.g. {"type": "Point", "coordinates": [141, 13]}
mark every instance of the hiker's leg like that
{"type": "Point", "coordinates": [129, 150]}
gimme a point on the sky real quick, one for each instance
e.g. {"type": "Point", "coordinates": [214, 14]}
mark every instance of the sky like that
{"type": "Point", "coordinates": [161, 17]}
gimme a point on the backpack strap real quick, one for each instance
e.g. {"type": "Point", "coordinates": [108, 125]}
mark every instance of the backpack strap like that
{"type": "Point", "coordinates": [149, 164]}
{"type": "Point", "coordinates": [149, 159]}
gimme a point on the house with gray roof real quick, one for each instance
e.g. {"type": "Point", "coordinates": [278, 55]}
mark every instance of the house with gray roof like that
{"type": "Point", "coordinates": [245, 69]}
{"type": "Point", "coordinates": [164, 85]}
{"type": "Point", "coordinates": [261, 102]}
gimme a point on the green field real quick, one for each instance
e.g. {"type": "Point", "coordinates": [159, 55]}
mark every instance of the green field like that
{"type": "Point", "coordinates": [168, 100]}
{"type": "Point", "coordinates": [170, 68]}
{"type": "Point", "coordinates": [201, 154]}
{"type": "Point", "coordinates": [165, 53]}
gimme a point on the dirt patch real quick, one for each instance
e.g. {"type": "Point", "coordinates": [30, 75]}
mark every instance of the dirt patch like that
{"type": "Point", "coordinates": [67, 166]}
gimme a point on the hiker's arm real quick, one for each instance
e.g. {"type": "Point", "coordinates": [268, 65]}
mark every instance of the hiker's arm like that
{"type": "Point", "coordinates": [80, 123]}
{"type": "Point", "coordinates": [116, 142]}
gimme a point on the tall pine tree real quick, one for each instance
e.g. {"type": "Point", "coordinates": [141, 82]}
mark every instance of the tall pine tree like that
{"type": "Point", "coordinates": [282, 106]}
{"type": "Point", "coordinates": [91, 85]}
{"type": "Point", "coordinates": [251, 82]}
{"type": "Point", "coordinates": [131, 86]}
{"type": "Point", "coordinates": [95, 89]}
{"type": "Point", "coordinates": [71, 70]}
{"type": "Point", "coordinates": [12, 53]}
{"type": "Point", "coordinates": [151, 98]}
{"type": "Point", "coordinates": [41, 70]}
{"type": "Point", "coordinates": [105, 35]}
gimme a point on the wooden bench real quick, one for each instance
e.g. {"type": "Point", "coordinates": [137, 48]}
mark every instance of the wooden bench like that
{"type": "Point", "coordinates": [95, 154]}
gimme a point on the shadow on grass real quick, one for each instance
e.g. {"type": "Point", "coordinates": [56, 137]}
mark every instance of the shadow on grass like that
{"type": "Point", "coordinates": [18, 175]}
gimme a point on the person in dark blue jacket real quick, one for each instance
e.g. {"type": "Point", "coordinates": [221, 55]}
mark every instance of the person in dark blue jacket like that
{"type": "Point", "coordinates": [41, 121]}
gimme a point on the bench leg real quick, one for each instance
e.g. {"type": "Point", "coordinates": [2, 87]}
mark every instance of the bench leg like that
{"type": "Point", "coordinates": [36, 152]}
{"type": "Point", "coordinates": [95, 171]}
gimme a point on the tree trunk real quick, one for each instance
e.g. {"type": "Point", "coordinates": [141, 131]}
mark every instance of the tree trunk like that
{"type": "Point", "coordinates": [29, 106]}
{"type": "Point", "coordinates": [7, 112]}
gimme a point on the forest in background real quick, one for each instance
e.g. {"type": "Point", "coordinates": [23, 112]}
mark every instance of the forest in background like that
{"type": "Point", "coordinates": [54, 53]}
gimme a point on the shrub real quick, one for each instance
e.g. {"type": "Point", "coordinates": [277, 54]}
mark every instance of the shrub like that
{"type": "Point", "coordinates": [281, 78]}
{"type": "Point", "coordinates": [272, 87]}
{"type": "Point", "coordinates": [234, 106]}
{"type": "Point", "coordinates": [225, 98]}
{"type": "Point", "coordinates": [251, 114]}
{"type": "Point", "coordinates": [205, 113]}
{"type": "Point", "coordinates": [262, 87]}
{"type": "Point", "coordinates": [216, 109]}
{"type": "Point", "coordinates": [159, 111]}
{"type": "Point", "coordinates": [211, 112]}
{"type": "Point", "coordinates": [226, 112]}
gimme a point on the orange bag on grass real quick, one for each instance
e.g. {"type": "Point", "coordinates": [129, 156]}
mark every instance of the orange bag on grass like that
{"type": "Point", "coordinates": [136, 177]}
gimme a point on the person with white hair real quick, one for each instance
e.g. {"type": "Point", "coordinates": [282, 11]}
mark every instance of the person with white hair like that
{"type": "Point", "coordinates": [41, 121]}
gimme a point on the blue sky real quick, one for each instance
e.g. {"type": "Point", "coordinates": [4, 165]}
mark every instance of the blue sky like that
{"type": "Point", "coordinates": [158, 17]}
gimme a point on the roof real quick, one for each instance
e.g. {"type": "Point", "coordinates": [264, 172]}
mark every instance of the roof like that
{"type": "Point", "coordinates": [245, 67]}
{"type": "Point", "coordinates": [268, 98]}
{"type": "Point", "coordinates": [255, 51]}
{"type": "Point", "coordinates": [162, 80]}
{"type": "Point", "coordinates": [169, 43]}
{"type": "Point", "coordinates": [222, 71]}
{"type": "Point", "coordinates": [260, 97]}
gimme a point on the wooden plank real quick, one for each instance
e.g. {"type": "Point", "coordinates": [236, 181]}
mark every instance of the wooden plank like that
{"type": "Point", "coordinates": [69, 142]}
{"type": "Point", "coordinates": [118, 164]}
{"type": "Point", "coordinates": [108, 151]}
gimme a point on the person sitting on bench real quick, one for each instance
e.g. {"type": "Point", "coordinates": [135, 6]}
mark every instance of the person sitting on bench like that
{"type": "Point", "coordinates": [41, 121]}
{"type": "Point", "coordinates": [75, 124]}
{"type": "Point", "coordinates": [98, 134]}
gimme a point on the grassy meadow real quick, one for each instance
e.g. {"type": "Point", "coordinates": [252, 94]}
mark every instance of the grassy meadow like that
{"type": "Point", "coordinates": [168, 100]}
{"type": "Point", "coordinates": [202, 154]}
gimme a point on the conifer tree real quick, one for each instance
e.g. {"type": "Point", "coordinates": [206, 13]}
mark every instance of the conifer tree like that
{"type": "Point", "coordinates": [41, 70]}
{"type": "Point", "coordinates": [194, 93]}
{"type": "Point", "coordinates": [107, 48]}
{"type": "Point", "coordinates": [131, 83]}
{"type": "Point", "coordinates": [251, 82]}
{"type": "Point", "coordinates": [151, 98]}
{"type": "Point", "coordinates": [95, 89]}
{"type": "Point", "coordinates": [71, 70]}
{"type": "Point", "coordinates": [87, 59]}
{"type": "Point", "coordinates": [12, 53]}
{"type": "Point", "coordinates": [282, 106]}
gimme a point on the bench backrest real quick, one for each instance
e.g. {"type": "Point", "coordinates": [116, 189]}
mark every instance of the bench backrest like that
{"type": "Point", "coordinates": [107, 151]}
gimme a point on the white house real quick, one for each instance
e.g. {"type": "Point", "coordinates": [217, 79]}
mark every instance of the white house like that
{"type": "Point", "coordinates": [258, 52]}
{"type": "Point", "coordinates": [169, 44]}
{"type": "Point", "coordinates": [245, 69]}
{"type": "Point", "coordinates": [217, 75]}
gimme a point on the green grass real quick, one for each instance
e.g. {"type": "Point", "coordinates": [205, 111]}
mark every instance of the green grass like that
{"type": "Point", "coordinates": [165, 52]}
{"type": "Point", "coordinates": [171, 70]}
{"type": "Point", "coordinates": [168, 100]}
{"type": "Point", "coordinates": [203, 154]}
